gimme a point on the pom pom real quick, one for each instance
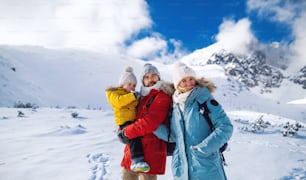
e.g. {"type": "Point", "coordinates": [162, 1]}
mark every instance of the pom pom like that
{"type": "Point", "coordinates": [129, 69]}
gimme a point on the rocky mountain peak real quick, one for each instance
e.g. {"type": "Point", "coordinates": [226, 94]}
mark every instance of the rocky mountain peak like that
{"type": "Point", "coordinates": [251, 70]}
{"type": "Point", "coordinates": [299, 77]}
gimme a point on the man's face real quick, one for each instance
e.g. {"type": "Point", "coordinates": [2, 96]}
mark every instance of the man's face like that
{"type": "Point", "coordinates": [150, 79]}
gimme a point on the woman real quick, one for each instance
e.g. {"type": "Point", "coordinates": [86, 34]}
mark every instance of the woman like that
{"type": "Point", "coordinates": [197, 148]}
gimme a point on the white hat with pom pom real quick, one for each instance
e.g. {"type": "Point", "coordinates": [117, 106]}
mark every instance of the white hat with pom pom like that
{"type": "Point", "coordinates": [127, 77]}
{"type": "Point", "coordinates": [180, 71]}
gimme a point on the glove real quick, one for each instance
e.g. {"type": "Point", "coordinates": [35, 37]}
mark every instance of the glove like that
{"type": "Point", "coordinates": [136, 94]}
{"type": "Point", "coordinates": [122, 137]}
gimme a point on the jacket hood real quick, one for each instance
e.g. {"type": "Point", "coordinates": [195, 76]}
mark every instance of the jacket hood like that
{"type": "Point", "coordinates": [202, 82]}
{"type": "Point", "coordinates": [113, 88]}
{"type": "Point", "coordinates": [167, 88]}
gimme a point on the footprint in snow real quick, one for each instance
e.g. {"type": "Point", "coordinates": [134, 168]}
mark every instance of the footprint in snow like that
{"type": "Point", "coordinates": [98, 165]}
{"type": "Point", "coordinates": [296, 174]}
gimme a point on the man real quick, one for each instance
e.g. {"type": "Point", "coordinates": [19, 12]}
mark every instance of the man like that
{"type": "Point", "coordinates": [152, 112]}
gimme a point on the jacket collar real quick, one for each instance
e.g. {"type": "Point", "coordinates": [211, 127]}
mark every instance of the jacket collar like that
{"type": "Point", "coordinates": [166, 87]}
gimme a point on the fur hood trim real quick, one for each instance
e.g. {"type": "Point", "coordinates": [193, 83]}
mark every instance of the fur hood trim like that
{"type": "Point", "coordinates": [202, 82]}
{"type": "Point", "coordinates": [167, 88]}
{"type": "Point", "coordinates": [113, 88]}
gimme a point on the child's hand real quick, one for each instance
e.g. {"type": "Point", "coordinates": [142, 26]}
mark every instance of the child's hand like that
{"type": "Point", "coordinates": [122, 137]}
{"type": "Point", "coordinates": [136, 94]}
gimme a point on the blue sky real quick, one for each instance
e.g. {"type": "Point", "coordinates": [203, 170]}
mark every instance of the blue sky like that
{"type": "Point", "coordinates": [196, 22]}
{"type": "Point", "coordinates": [155, 29]}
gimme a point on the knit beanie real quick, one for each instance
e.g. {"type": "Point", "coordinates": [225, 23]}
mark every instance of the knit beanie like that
{"type": "Point", "coordinates": [127, 77]}
{"type": "Point", "coordinates": [149, 68]}
{"type": "Point", "coordinates": [181, 71]}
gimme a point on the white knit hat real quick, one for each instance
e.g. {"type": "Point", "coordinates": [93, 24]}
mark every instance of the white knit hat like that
{"type": "Point", "coordinates": [127, 76]}
{"type": "Point", "coordinates": [149, 68]}
{"type": "Point", "coordinates": [181, 71]}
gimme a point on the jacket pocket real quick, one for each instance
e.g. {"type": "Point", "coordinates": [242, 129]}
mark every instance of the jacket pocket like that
{"type": "Point", "coordinates": [206, 162]}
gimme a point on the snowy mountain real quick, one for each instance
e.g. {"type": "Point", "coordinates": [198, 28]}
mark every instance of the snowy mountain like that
{"type": "Point", "coordinates": [251, 70]}
{"type": "Point", "coordinates": [300, 77]}
{"type": "Point", "coordinates": [254, 71]}
{"type": "Point", "coordinates": [266, 107]}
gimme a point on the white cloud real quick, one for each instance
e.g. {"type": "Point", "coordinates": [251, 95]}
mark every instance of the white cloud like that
{"type": "Point", "coordinates": [236, 36]}
{"type": "Point", "coordinates": [156, 48]}
{"type": "Point", "coordinates": [275, 10]}
{"type": "Point", "coordinates": [94, 24]}
{"type": "Point", "coordinates": [103, 25]}
{"type": "Point", "coordinates": [176, 52]}
{"type": "Point", "coordinates": [292, 13]}
{"type": "Point", "coordinates": [298, 47]}
{"type": "Point", "coordinates": [148, 47]}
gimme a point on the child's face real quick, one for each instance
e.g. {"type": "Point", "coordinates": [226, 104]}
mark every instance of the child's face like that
{"type": "Point", "coordinates": [129, 87]}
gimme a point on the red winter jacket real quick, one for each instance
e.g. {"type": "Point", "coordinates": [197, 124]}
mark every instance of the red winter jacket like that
{"type": "Point", "coordinates": [147, 120]}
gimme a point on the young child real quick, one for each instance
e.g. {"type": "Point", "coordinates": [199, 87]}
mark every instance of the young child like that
{"type": "Point", "coordinates": [124, 100]}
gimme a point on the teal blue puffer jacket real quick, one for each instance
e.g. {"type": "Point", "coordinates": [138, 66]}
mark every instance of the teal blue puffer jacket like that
{"type": "Point", "coordinates": [196, 156]}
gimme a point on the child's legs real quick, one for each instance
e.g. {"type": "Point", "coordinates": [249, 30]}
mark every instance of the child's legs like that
{"type": "Point", "coordinates": [136, 150]}
{"type": "Point", "coordinates": [135, 146]}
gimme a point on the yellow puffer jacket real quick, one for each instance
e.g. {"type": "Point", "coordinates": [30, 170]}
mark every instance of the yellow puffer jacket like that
{"type": "Point", "coordinates": [123, 103]}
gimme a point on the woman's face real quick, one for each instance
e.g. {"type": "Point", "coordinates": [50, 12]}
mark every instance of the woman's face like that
{"type": "Point", "coordinates": [187, 83]}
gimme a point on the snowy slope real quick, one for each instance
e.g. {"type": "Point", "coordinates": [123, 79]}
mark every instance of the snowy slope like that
{"type": "Point", "coordinates": [47, 143]}
{"type": "Point", "coordinates": [49, 77]}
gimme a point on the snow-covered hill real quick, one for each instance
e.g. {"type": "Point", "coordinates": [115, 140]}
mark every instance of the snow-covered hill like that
{"type": "Point", "coordinates": [62, 78]}
{"type": "Point", "coordinates": [49, 77]}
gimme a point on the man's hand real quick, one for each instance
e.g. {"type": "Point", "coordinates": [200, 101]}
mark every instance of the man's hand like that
{"type": "Point", "coordinates": [122, 137]}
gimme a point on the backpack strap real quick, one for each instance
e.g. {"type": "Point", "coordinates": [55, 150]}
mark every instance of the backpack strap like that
{"type": "Point", "coordinates": [205, 111]}
{"type": "Point", "coordinates": [169, 115]}
{"type": "Point", "coordinates": [150, 101]}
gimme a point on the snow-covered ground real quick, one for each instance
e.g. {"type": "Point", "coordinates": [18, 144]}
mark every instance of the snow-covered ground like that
{"type": "Point", "coordinates": [48, 143]}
